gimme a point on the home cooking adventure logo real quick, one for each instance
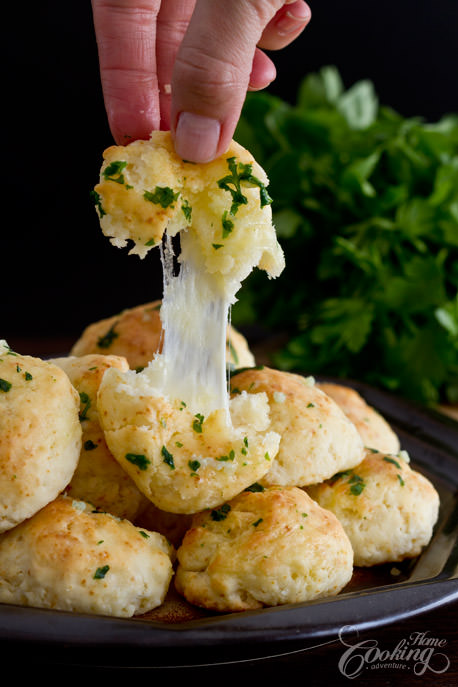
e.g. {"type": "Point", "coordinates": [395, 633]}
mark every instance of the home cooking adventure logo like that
{"type": "Point", "coordinates": [419, 653]}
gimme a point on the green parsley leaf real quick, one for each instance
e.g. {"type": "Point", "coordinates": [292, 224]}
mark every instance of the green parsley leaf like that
{"type": "Point", "coordinates": [392, 460]}
{"type": "Point", "coordinates": [162, 195]}
{"type": "Point", "coordinates": [96, 199]}
{"type": "Point", "coordinates": [4, 385]}
{"type": "Point", "coordinates": [101, 572]}
{"type": "Point", "coordinates": [139, 460]}
{"type": "Point", "coordinates": [86, 402]}
{"type": "Point", "coordinates": [113, 171]}
{"type": "Point", "coordinates": [168, 457]}
{"type": "Point", "coordinates": [186, 210]}
{"type": "Point", "coordinates": [255, 487]}
{"type": "Point", "coordinates": [220, 513]}
{"type": "Point", "coordinates": [197, 424]}
{"type": "Point", "coordinates": [107, 339]}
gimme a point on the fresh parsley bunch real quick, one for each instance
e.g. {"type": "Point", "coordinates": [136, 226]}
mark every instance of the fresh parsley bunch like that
{"type": "Point", "coordinates": [366, 209]}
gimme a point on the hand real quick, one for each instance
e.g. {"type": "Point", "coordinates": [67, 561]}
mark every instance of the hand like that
{"type": "Point", "coordinates": [186, 65]}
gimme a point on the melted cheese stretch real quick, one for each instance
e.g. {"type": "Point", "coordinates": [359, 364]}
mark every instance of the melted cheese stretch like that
{"type": "Point", "coordinates": [194, 316]}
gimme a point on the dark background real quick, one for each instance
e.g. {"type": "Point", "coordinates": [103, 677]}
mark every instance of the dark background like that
{"type": "Point", "coordinates": [59, 272]}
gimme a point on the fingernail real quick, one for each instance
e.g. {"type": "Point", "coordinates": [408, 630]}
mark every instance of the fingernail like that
{"type": "Point", "coordinates": [293, 20]}
{"type": "Point", "coordinates": [197, 137]}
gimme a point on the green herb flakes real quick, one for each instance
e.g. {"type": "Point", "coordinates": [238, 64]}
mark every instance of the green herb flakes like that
{"type": "Point", "coordinates": [162, 195]}
{"type": "Point", "coordinates": [145, 535]}
{"type": "Point", "coordinates": [220, 513]}
{"type": "Point", "coordinates": [194, 465]}
{"type": "Point", "coordinates": [113, 171]}
{"type": "Point", "coordinates": [168, 458]}
{"type": "Point", "coordinates": [139, 460]}
{"type": "Point", "coordinates": [258, 522]}
{"type": "Point", "coordinates": [393, 461]}
{"type": "Point", "coordinates": [4, 385]}
{"type": "Point", "coordinates": [197, 423]}
{"type": "Point", "coordinates": [101, 572]}
{"type": "Point", "coordinates": [401, 481]}
{"type": "Point", "coordinates": [107, 339]}
{"type": "Point", "coordinates": [96, 199]}
{"type": "Point", "coordinates": [86, 403]}
{"type": "Point", "coordinates": [186, 210]}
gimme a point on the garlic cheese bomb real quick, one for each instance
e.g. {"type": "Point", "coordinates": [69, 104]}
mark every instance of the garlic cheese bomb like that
{"type": "Point", "coordinates": [317, 439]}
{"type": "Point", "coordinates": [387, 509]}
{"type": "Point", "coordinates": [136, 335]}
{"type": "Point", "coordinates": [265, 547]}
{"type": "Point", "coordinates": [71, 558]}
{"type": "Point", "coordinates": [184, 462]}
{"type": "Point", "coordinates": [373, 428]}
{"type": "Point", "coordinates": [98, 478]}
{"type": "Point", "coordinates": [40, 434]}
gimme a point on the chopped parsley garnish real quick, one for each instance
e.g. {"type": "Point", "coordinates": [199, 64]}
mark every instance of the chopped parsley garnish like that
{"type": "Point", "coordinates": [101, 572]}
{"type": "Point", "coordinates": [266, 456]}
{"type": "Point", "coordinates": [227, 225]}
{"type": "Point", "coordinates": [255, 524]}
{"type": "Point", "coordinates": [256, 487]}
{"type": "Point", "coordinates": [151, 242]}
{"type": "Point", "coordinates": [86, 402]}
{"type": "Point", "coordinates": [220, 513]}
{"type": "Point", "coordinates": [89, 445]}
{"type": "Point", "coordinates": [144, 534]}
{"type": "Point", "coordinates": [178, 444]}
{"type": "Point", "coordinates": [27, 376]}
{"type": "Point", "coordinates": [194, 465]}
{"type": "Point", "coordinates": [139, 460]}
{"type": "Point", "coordinates": [233, 183]}
{"type": "Point", "coordinates": [95, 197]}
{"type": "Point", "coordinates": [182, 405]}
{"type": "Point", "coordinates": [357, 484]}
{"type": "Point", "coordinates": [113, 171]}
{"type": "Point", "coordinates": [310, 405]}
{"type": "Point", "coordinates": [392, 460]}
{"type": "Point", "coordinates": [107, 339]}
{"type": "Point", "coordinates": [236, 371]}
{"type": "Point", "coordinates": [186, 210]}
{"type": "Point", "coordinates": [230, 456]}
{"type": "Point", "coordinates": [197, 424]}
{"type": "Point", "coordinates": [168, 457]}
{"type": "Point", "coordinates": [217, 246]}
{"type": "Point", "coordinates": [4, 385]}
{"type": "Point", "coordinates": [162, 195]}
{"type": "Point", "coordinates": [401, 481]}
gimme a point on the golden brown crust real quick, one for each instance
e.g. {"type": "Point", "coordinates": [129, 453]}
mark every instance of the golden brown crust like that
{"type": "Point", "coordinates": [69, 557]}
{"type": "Point", "coordinates": [98, 478]}
{"type": "Point", "coordinates": [373, 428]}
{"type": "Point", "coordinates": [387, 509]}
{"type": "Point", "coordinates": [267, 547]}
{"type": "Point", "coordinates": [317, 439]}
{"type": "Point", "coordinates": [40, 435]}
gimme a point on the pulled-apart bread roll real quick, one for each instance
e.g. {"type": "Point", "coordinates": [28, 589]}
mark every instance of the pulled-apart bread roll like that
{"type": "Point", "coordinates": [317, 439]}
{"type": "Point", "coordinates": [145, 189]}
{"type": "Point", "coordinates": [265, 547]}
{"type": "Point", "coordinates": [72, 558]}
{"type": "Point", "coordinates": [40, 434]}
{"type": "Point", "coordinates": [98, 478]}
{"type": "Point", "coordinates": [387, 509]}
{"type": "Point", "coordinates": [184, 462]}
{"type": "Point", "coordinates": [136, 334]}
{"type": "Point", "coordinates": [373, 428]}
